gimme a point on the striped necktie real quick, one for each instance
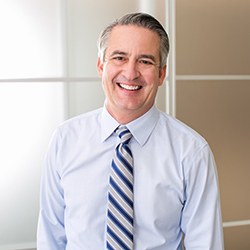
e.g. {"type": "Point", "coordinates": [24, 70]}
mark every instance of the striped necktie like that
{"type": "Point", "coordinates": [120, 196]}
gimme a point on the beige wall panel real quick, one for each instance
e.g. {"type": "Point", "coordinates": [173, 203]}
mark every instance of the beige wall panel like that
{"type": "Point", "coordinates": [237, 238]}
{"type": "Point", "coordinates": [220, 111]}
{"type": "Point", "coordinates": [213, 37]}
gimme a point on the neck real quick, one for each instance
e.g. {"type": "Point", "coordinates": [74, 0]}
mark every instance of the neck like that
{"type": "Point", "coordinates": [127, 116]}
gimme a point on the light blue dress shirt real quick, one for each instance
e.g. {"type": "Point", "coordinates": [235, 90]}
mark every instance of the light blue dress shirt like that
{"type": "Point", "coordinates": [175, 185]}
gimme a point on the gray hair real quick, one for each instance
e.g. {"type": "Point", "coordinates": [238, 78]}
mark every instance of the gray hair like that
{"type": "Point", "coordinates": [140, 20]}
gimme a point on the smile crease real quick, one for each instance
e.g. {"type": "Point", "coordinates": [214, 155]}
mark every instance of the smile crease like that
{"type": "Point", "coordinates": [129, 87]}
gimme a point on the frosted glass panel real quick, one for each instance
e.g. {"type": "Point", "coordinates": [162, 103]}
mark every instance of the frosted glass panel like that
{"type": "Point", "coordinates": [84, 26]}
{"type": "Point", "coordinates": [84, 97]}
{"type": "Point", "coordinates": [29, 114]}
{"type": "Point", "coordinates": [30, 44]}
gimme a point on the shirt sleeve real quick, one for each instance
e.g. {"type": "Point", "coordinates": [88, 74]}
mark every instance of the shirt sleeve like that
{"type": "Point", "coordinates": [201, 218]}
{"type": "Point", "coordinates": [51, 232]}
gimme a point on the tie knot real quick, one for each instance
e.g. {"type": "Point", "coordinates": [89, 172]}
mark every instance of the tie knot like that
{"type": "Point", "coordinates": [124, 134]}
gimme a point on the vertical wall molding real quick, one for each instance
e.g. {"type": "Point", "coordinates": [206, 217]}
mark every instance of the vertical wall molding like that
{"type": "Point", "coordinates": [171, 83]}
{"type": "Point", "coordinates": [148, 6]}
{"type": "Point", "coordinates": [65, 53]}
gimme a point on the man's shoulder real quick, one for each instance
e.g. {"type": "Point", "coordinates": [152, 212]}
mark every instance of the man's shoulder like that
{"type": "Point", "coordinates": [180, 130]}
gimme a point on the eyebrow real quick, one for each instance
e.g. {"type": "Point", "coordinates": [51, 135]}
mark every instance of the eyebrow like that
{"type": "Point", "coordinates": [147, 56]}
{"type": "Point", "coordinates": [118, 52]}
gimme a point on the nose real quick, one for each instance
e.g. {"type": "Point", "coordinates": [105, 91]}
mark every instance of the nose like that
{"type": "Point", "coordinates": [131, 70]}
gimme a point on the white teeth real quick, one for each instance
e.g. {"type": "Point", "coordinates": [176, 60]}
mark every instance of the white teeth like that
{"type": "Point", "coordinates": [129, 87]}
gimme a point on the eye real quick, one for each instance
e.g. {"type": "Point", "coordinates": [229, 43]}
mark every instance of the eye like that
{"type": "Point", "coordinates": [146, 62]}
{"type": "Point", "coordinates": [118, 58]}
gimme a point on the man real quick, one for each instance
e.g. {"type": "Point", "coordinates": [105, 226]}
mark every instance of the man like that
{"type": "Point", "coordinates": [171, 191]}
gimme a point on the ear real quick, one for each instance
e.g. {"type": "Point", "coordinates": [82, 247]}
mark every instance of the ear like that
{"type": "Point", "coordinates": [99, 67]}
{"type": "Point", "coordinates": [162, 74]}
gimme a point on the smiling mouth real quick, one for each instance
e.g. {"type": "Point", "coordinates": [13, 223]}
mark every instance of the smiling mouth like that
{"type": "Point", "coordinates": [129, 87]}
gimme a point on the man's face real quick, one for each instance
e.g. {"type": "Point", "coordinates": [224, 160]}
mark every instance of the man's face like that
{"type": "Point", "coordinates": [130, 72]}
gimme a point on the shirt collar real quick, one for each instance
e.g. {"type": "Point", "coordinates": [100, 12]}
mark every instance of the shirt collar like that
{"type": "Point", "coordinates": [108, 124]}
{"type": "Point", "coordinates": [141, 128]}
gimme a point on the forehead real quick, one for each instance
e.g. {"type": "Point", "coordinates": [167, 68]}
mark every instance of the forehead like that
{"type": "Point", "coordinates": [133, 39]}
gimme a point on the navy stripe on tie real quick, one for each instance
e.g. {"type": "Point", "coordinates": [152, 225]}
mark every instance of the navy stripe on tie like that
{"type": "Point", "coordinates": [120, 208]}
{"type": "Point", "coordinates": [124, 161]}
{"type": "Point", "coordinates": [109, 247]}
{"type": "Point", "coordinates": [118, 224]}
{"type": "Point", "coordinates": [124, 132]}
{"type": "Point", "coordinates": [114, 236]}
{"type": "Point", "coordinates": [121, 175]}
{"type": "Point", "coordinates": [126, 147]}
{"type": "Point", "coordinates": [121, 193]}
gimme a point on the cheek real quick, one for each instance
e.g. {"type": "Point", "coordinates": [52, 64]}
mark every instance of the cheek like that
{"type": "Point", "coordinates": [107, 81]}
{"type": "Point", "coordinates": [106, 77]}
{"type": "Point", "coordinates": [153, 80]}
{"type": "Point", "coordinates": [109, 72]}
